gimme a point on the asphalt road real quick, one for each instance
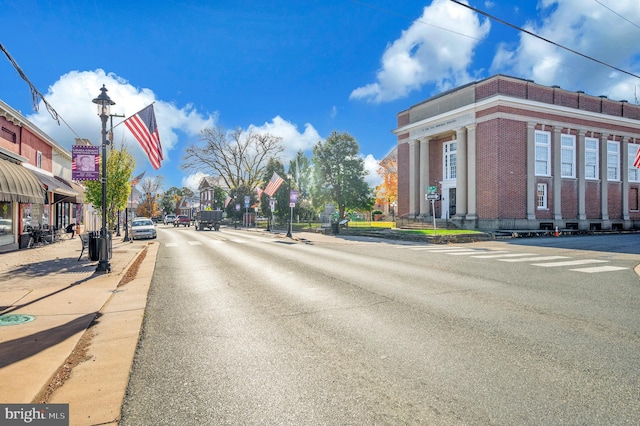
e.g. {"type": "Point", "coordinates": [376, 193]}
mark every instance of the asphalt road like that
{"type": "Point", "coordinates": [244, 328]}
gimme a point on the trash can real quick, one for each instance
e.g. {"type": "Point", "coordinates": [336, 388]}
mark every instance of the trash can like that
{"type": "Point", "coordinates": [335, 227]}
{"type": "Point", "coordinates": [94, 246]}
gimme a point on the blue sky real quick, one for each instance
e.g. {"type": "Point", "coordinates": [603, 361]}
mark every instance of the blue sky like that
{"type": "Point", "coordinates": [295, 69]}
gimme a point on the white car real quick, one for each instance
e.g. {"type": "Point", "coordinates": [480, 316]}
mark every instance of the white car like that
{"type": "Point", "coordinates": [143, 227]}
{"type": "Point", "coordinates": [168, 219]}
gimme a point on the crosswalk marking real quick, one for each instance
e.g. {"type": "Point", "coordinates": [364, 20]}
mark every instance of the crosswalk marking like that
{"type": "Point", "coordinates": [171, 245]}
{"type": "Point", "coordinates": [492, 256]}
{"type": "Point", "coordinates": [533, 259]}
{"type": "Point", "coordinates": [569, 263]}
{"type": "Point", "coordinates": [466, 252]}
{"type": "Point", "coordinates": [194, 243]}
{"type": "Point", "coordinates": [595, 269]}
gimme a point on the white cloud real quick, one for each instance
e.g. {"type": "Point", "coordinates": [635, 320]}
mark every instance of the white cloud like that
{"type": "Point", "coordinates": [372, 166]}
{"type": "Point", "coordinates": [292, 139]}
{"type": "Point", "coordinates": [193, 181]}
{"type": "Point", "coordinates": [428, 53]}
{"type": "Point", "coordinates": [588, 28]}
{"type": "Point", "coordinates": [71, 96]}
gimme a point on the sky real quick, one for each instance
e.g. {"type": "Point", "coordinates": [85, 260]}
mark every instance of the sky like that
{"type": "Point", "coordinates": [299, 70]}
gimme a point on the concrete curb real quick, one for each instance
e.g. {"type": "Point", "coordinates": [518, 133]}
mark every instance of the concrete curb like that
{"type": "Point", "coordinates": [96, 388]}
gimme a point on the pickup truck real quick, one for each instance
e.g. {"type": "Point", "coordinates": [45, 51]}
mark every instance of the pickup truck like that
{"type": "Point", "coordinates": [182, 220]}
{"type": "Point", "coordinates": [208, 219]}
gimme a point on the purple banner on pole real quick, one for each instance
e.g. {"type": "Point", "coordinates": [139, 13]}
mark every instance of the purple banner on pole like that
{"type": "Point", "coordinates": [85, 162]}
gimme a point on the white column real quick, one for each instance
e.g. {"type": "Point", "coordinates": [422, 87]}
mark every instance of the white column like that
{"type": "Point", "coordinates": [461, 172]}
{"type": "Point", "coordinates": [472, 213]}
{"type": "Point", "coordinates": [413, 176]}
{"type": "Point", "coordinates": [424, 175]}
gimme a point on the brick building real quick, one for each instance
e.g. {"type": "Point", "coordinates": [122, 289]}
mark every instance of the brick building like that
{"type": "Point", "coordinates": [507, 153]}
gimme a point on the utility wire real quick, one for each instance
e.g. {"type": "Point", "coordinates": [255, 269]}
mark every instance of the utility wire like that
{"type": "Point", "coordinates": [35, 94]}
{"type": "Point", "coordinates": [544, 39]}
{"type": "Point", "coordinates": [616, 13]}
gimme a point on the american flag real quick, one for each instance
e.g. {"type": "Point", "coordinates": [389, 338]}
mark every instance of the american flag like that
{"type": "Point", "coordinates": [273, 184]}
{"type": "Point", "coordinates": [136, 180]}
{"type": "Point", "coordinates": [636, 162]}
{"type": "Point", "coordinates": [259, 191]}
{"type": "Point", "coordinates": [145, 130]}
{"type": "Point", "coordinates": [227, 201]}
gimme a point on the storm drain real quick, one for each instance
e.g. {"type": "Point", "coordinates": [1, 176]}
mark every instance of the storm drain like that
{"type": "Point", "coordinates": [15, 319]}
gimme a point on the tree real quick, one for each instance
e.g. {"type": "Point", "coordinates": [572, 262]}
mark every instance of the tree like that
{"type": "Point", "coordinates": [238, 157]}
{"type": "Point", "coordinates": [387, 191]}
{"type": "Point", "coordinates": [302, 173]}
{"type": "Point", "coordinates": [149, 206]}
{"type": "Point", "coordinates": [120, 166]}
{"type": "Point", "coordinates": [339, 174]}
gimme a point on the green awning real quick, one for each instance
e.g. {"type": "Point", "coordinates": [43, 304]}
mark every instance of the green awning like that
{"type": "Point", "coordinates": [18, 184]}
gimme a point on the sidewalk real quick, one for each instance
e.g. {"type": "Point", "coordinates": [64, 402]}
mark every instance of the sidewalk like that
{"type": "Point", "coordinates": [79, 345]}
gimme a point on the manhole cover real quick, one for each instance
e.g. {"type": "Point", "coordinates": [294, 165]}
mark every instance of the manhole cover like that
{"type": "Point", "coordinates": [15, 319]}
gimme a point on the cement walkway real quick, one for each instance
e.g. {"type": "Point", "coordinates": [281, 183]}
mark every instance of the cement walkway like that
{"type": "Point", "coordinates": [79, 346]}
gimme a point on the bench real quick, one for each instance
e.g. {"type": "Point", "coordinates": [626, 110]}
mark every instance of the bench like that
{"type": "Point", "coordinates": [84, 238]}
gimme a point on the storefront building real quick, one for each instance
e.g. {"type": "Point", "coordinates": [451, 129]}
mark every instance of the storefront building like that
{"type": "Point", "coordinates": [507, 153]}
{"type": "Point", "coordinates": [36, 192]}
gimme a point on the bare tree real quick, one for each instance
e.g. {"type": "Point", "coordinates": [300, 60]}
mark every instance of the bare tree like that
{"type": "Point", "coordinates": [238, 157]}
{"type": "Point", "coordinates": [149, 206]}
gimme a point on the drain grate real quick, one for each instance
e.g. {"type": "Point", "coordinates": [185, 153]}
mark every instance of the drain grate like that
{"type": "Point", "coordinates": [15, 319]}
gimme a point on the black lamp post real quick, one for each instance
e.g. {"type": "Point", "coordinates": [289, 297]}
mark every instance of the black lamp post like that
{"type": "Point", "coordinates": [104, 106]}
{"type": "Point", "coordinates": [289, 235]}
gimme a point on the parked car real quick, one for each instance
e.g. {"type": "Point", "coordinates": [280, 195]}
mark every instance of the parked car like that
{"type": "Point", "coordinates": [182, 220]}
{"type": "Point", "coordinates": [168, 219]}
{"type": "Point", "coordinates": [143, 227]}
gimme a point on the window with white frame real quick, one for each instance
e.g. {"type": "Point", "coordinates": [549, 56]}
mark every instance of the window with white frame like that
{"type": "Point", "coordinates": [450, 151]}
{"type": "Point", "coordinates": [543, 153]}
{"type": "Point", "coordinates": [568, 155]}
{"type": "Point", "coordinates": [541, 196]}
{"type": "Point", "coordinates": [634, 172]}
{"type": "Point", "coordinates": [613, 160]}
{"type": "Point", "coordinates": [591, 169]}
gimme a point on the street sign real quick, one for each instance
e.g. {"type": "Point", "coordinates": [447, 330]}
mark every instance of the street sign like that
{"type": "Point", "coordinates": [433, 197]}
{"type": "Point", "coordinates": [431, 189]}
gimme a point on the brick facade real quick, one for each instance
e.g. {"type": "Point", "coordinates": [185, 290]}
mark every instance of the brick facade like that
{"type": "Point", "coordinates": [495, 127]}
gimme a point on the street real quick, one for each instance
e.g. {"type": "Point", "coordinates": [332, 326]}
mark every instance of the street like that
{"type": "Point", "coordinates": [249, 328]}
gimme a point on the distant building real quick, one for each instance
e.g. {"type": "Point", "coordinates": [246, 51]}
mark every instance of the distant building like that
{"type": "Point", "coordinates": [507, 153]}
{"type": "Point", "coordinates": [206, 188]}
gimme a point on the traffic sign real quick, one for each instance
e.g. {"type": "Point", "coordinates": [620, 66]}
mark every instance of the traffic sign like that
{"type": "Point", "coordinates": [433, 197]}
{"type": "Point", "coordinates": [431, 189]}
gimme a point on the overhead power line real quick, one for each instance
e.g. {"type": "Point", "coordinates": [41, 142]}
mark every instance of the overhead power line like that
{"type": "Point", "coordinates": [616, 13]}
{"type": "Point", "coordinates": [35, 94]}
{"type": "Point", "coordinates": [545, 39]}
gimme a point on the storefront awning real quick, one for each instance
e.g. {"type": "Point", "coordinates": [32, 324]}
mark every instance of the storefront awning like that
{"type": "Point", "coordinates": [19, 184]}
{"type": "Point", "coordinates": [79, 198]}
{"type": "Point", "coordinates": [54, 185]}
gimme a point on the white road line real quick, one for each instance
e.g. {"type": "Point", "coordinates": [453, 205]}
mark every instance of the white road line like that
{"type": "Point", "coordinates": [491, 256]}
{"type": "Point", "coordinates": [434, 248]}
{"type": "Point", "coordinates": [599, 269]}
{"type": "Point", "coordinates": [466, 252]}
{"type": "Point", "coordinates": [171, 245]}
{"type": "Point", "coordinates": [195, 243]}
{"type": "Point", "coordinates": [569, 263]}
{"type": "Point", "coordinates": [533, 259]}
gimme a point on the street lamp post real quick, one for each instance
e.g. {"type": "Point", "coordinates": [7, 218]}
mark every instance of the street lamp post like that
{"type": "Point", "coordinates": [289, 235]}
{"type": "Point", "coordinates": [104, 106]}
